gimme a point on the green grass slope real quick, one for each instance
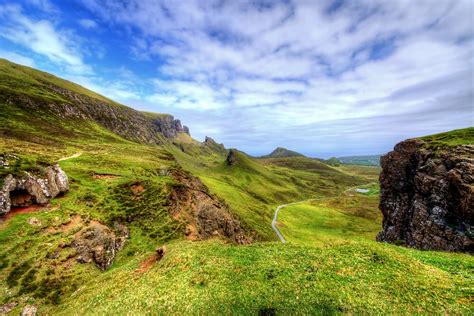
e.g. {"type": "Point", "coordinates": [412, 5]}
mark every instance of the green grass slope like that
{"type": "Point", "coordinates": [213, 278]}
{"type": "Point", "coordinates": [456, 137]}
{"type": "Point", "coordinates": [281, 152]}
{"type": "Point", "coordinates": [331, 264]}
{"type": "Point", "coordinates": [17, 79]}
{"type": "Point", "coordinates": [254, 187]}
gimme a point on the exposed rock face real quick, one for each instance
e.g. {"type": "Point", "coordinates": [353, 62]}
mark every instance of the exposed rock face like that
{"type": "Point", "coordinates": [124, 121]}
{"type": "Point", "coordinates": [232, 158]}
{"type": "Point", "coordinates": [99, 244]}
{"type": "Point", "coordinates": [427, 197]}
{"type": "Point", "coordinates": [214, 146]}
{"type": "Point", "coordinates": [31, 189]}
{"type": "Point", "coordinates": [6, 308]}
{"type": "Point", "coordinates": [209, 216]}
{"type": "Point", "coordinates": [168, 126]}
{"type": "Point", "coordinates": [29, 310]}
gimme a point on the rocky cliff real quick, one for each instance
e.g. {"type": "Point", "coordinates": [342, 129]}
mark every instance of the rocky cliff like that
{"type": "Point", "coordinates": [214, 146]}
{"type": "Point", "coordinates": [206, 215]}
{"type": "Point", "coordinates": [35, 92]}
{"type": "Point", "coordinates": [427, 196]}
{"type": "Point", "coordinates": [32, 189]}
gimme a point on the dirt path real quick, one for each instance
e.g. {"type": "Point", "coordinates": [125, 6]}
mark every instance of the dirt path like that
{"type": "Point", "coordinates": [70, 157]}
{"type": "Point", "coordinates": [23, 210]}
{"type": "Point", "coordinates": [275, 217]}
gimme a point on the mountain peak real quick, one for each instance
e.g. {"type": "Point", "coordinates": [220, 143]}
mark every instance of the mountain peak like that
{"type": "Point", "coordinates": [281, 152]}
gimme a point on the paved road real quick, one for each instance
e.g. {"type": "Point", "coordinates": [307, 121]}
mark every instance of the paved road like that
{"type": "Point", "coordinates": [275, 217]}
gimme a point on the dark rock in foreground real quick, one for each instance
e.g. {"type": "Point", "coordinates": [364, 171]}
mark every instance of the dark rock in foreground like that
{"type": "Point", "coordinates": [427, 197]}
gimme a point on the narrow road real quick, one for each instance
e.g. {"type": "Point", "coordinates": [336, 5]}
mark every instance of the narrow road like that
{"type": "Point", "coordinates": [70, 157]}
{"type": "Point", "coordinates": [275, 217]}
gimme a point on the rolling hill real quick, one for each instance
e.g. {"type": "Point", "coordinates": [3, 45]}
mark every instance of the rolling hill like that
{"type": "Point", "coordinates": [281, 152]}
{"type": "Point", "coordinates": [207, 210]}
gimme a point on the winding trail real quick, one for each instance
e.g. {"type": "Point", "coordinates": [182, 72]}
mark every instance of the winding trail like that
{"type": "Point", "coordinates": [275, 217]}
{"type": "Point", "coordinates": [70, 157]}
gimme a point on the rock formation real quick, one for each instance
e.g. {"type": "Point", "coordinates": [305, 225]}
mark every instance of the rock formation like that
{"type": "Point", "coordinates": [66, 101]}
{"type": "Point", "coordinates": [168, 126]}
{"type": "Point", "coordinates": [427, 196]}
{"type": "Point", "coordinates": [214, 146]}
{"type": "Point", "coordinates": [206, 215]}
{"type": "Point", "coordinates": [32, 189]}
{"type": "Point", "coordinates": [99, 244]}
{"type": "Point", "coordinates": [232, 158]}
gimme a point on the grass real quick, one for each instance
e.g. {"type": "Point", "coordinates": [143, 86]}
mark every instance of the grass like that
{"type": "Point", "coordinates": [18, 79]}
{"type": "Point", "coordinates": [254, 187]}
{"type": "Point", "coordinates": [216, 278]}
{"type": "Point", "coordinates": [450, 139]}
{"type": "Point", "coordinates": [331, 264]}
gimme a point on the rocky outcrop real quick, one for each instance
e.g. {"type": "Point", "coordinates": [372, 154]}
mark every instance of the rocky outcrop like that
{"type": "Point", "coordinates": [427, 196]}
{"type": "Point", "coordinates": [168, 126]}
{"type": "Point", "coordinates": [207, 216]}
{"type": "Point", "coordinates": [124, 121]}
{"type": "Point", "coordinates": [232, 158]}
{"type": "Point", "coordinates": [99, 244]}
{"type": "Point", "coordinates": [29, 310]}
{"type": "Point", "coordinates": [214, 146]}
{"type": "Point", "coordinates": [32, 189]}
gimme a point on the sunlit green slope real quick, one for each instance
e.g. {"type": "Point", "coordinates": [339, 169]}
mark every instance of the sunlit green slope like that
{"type": "Point", "coordinates": [330, 265]}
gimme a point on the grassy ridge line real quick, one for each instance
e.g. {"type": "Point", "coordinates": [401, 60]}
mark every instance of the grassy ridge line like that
{"type": "Point", "coordinates": [453, 138]}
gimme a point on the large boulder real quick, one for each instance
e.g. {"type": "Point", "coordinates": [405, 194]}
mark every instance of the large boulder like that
{"type": "Point", "coordinates": [427, 196]}
{"type": "Point", "coordinates": [99, 244]}
{"type": "Point", "coordinates": [32, 189]}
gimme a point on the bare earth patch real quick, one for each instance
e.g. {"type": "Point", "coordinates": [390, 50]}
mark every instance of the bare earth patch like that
{"type": "Point", "coordinates": [99, 176]}
{"type": "Point", "coordinates": [23, 210]}
{"type": "Point", "coordinates": [147, 264]}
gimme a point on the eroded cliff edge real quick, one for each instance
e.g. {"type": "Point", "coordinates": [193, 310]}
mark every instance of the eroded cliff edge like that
{"type": "Point", "coordinates": [427, 196]}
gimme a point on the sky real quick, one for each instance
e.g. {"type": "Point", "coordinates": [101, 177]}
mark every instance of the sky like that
{"type": "Point", "coordinates": [324, 78]}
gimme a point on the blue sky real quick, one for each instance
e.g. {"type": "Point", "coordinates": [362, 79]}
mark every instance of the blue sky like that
{"type": "Point", "coordinates": [325, 78]}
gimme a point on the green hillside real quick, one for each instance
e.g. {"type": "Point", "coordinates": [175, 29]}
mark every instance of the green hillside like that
{"type": "Point", "coordinates": [281, 152]}
{"type": "Point", "coordinates": [330, 265]}
{"type": "Point", "coordinates": [370, 160]}
{"type": "Point", "coordinates": [463, 136]}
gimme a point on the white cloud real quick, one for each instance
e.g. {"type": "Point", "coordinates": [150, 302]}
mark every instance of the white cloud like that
{"type": "Point", "coordinates": [284, 71]}
{"type": "Point", "coordinates": [42, 37]}
{"type": "Point", "coordinates": [365, 60]}
{"type": "Point", "coordinates": [44, 5]}
{"type": "Point", "coordinates": [87, 23]}
{"type": "Point", "coordinates": [17, 58]}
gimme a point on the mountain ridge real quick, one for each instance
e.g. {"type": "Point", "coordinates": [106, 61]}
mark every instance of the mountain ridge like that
{"type": "Point", "coordinates": [29, 90]}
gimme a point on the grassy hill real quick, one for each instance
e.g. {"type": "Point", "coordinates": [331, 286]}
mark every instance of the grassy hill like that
{"type": "Point", "coordinates": [456, 137]}
{"type": "Point", "coordinates": [370, 160]}
{"type": "Point", "coordinates": [281, 152]}
{"type": "Point", "coordinates": [331, 264]}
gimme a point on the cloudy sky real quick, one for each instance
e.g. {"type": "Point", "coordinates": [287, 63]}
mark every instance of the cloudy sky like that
{"type": "Point", "coordinates": [321, 77]}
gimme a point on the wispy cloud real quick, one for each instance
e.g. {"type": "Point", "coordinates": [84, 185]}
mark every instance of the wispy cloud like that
{"type": "Point", "coordinates": [259, 74]}
{"type": "Point", "coordinates": [87, 23]}
{"type": "Point", "coordinates": [42, 37]}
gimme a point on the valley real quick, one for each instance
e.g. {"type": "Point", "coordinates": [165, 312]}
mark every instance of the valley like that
{"type": "Point", "coordinates": [139, 182]}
